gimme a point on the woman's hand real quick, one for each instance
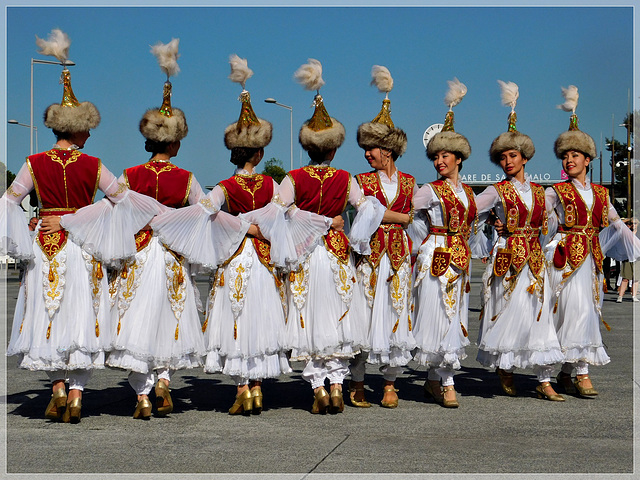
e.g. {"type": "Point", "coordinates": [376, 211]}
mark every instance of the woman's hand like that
{"type": "Point", "coordinates": [254, 231]}
{"type": "Point", "coordinates": [50, 224]}
{"type": "Point", "coordinates": [396, 217]}
{"type": "Point", "coordinates": [338, 223]}
{"type": "Point", "coordinates": [500, 227]}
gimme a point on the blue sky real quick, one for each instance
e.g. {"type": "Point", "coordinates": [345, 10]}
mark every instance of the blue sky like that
{"type": "Point", "coordinates": [540, 47]}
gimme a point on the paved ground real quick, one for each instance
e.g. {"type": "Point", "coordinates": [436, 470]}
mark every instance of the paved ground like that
{"type": "Point", "coordinates": [489, 434]}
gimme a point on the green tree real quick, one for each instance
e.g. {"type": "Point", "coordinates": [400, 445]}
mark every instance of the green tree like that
{"type": "Point", "coordinates": [8, 176]}
{"type": "Point", "coordinates": [620, 159]}
{"type": "Point", "coordinates": [273, 168]}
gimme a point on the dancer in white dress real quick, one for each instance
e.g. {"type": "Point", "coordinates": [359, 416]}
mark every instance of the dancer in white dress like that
{"type": "Point", "coordinates": [158, 324]}
{"type": "Point", "coordinates": [384, 276]}
{"type": "Point", "coordinates": [244, 326]}
{"type": "Point", "coordinates": [62, 323]}
{"type": "Point", "coordinates": [576, 252]}
{"type": "Point", "coordinates": [517, 329]}
{"type": "Point", "coordinates": [319, 326]}
{"type": "Point", "coordinates": [442, 269]}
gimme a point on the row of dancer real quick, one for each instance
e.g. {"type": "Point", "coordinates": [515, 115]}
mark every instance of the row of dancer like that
{"type": "Point", "coordinates": [330, 306]}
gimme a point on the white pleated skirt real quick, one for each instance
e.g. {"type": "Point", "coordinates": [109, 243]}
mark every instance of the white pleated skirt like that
{"type": "Point", "coordinates": [384, 312]}
{"type": "Point", "coordinates": [441, 313]}
{"type": "Point", "coordinates": [155, 317]}
{"type": "Point", "coordinates": [577, 318]}
{"type": "Point", "coordinates": [517, 329]}
{"type": "Point", "coordinates": [319, 313]}
{"type": "Point", "coordinates": [73, 307]}
{"type": "Point", "coordinates": [245, 332]}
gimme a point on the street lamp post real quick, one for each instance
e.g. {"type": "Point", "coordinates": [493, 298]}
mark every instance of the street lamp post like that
{"type": "Point", "coordinates": [628, 127]}
{"type": "Point", "coordinates": [273, 100]}
{"type": "Point", "coordinates": [15, 122]}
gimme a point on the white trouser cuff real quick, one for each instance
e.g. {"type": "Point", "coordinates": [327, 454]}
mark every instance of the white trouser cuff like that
{"type": "Point", "coordinates": [142, 383]}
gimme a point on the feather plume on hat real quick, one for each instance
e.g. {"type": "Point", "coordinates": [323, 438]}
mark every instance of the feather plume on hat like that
{"type": "Point", "coordinates": [166, 124]}
{"type": "Point", "coordinates": [573, 139]}
{"type": "Point", "coordinates": [511, 139]}
{"type": "Point", "coordinates": [70, 115]}
{"type": "Point", "coordinates": [448, 139]}
{"type": "Point", "coordinates": [321, 133]}
{"type": "Point", "coordinates": [381, 131]}
{"type": "Point", "coordinates": [249, 131]}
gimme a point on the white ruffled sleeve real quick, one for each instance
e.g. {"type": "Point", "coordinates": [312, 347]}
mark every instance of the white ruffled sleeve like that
{"type": "Point", "coordinates": [368, 218]}
{"type": "Point", "coordinates": [106, 228]}
{"type": "Point", "coordinates": [202, 233]}
{"type": "Point", "coordinates": [617, 241]}
{"type": "Point", "coordinates": [15, 239]}
{"type": "Point", "coordinates": [293, 232]}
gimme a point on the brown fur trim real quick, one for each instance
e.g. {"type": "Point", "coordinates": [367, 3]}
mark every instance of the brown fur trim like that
{"type": "Point", "coordinates": [575, 140]}
{"type": "Point", "coordinates": [511, 141]}
{"type": "Point", "coordinates": [374, 134]}
{"type": "Point", "coordinates": [82, 118]}
{"type": "Point", "coordinates": [322, 140]}
{"type": "Point", "coordinates": [252, 136]}
{"type": "Point", "coordinates": [160, 128]}
{"type": "Point", "coordinates": [451, 142]}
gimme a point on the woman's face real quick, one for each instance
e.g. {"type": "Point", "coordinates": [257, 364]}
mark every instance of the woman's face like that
{"type": "Point", "coordinates": [446, 163]}
{"type": "Point", "coordinates": [378, 158]}
{"type": "Point", "coordinates": [575, 163]}
{"type": "Point", "coordinates": [512, 163]}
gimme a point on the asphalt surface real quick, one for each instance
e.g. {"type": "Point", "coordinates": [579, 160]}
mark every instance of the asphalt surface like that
{"type": "Point", "coordinates": [491, 433]}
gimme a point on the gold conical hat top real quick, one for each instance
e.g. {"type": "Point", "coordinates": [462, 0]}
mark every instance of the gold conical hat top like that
{"type": "Point", "coordinates": [247, 115]}
{"type": "Point", "coordinates": [385, 114]}
{"type": "Point", "coordinates": [513, 118]}
{"type": "Point", "coordinates": [165, 109]}
{"type": "Point", "coordinates": [68, 98]}
{"type": "Point", "coordinates": [320, 120]}
{"type": "Point", "coordinates": [573, 122]}
{"type": "Point", "coordinates": [448, 122]}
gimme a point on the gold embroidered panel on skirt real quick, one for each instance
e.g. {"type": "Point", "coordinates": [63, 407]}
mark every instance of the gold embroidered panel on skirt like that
{"type": "Point", "coordinates": [337, 243]}
{"type": "Point", "coordinates": [536, 258]}
{"type": "Point", "coordinates": [460, 253]}
{"type": "Point", "coordinates": [440, 261]}
{"type": "Point", "coordinates": [143, 237]}
{"type": "Point", "coordinates": [502, 262]}
{"type": "Point", "coordinates": [51, 243]}
{"type": "Point", "coordinates": [263, 249]}
{"type": "Point", "coordinates": [389, 239]}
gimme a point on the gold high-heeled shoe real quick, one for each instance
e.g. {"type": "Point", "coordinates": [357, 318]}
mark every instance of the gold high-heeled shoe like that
{"type": "Point", "coordinates": [72, 412]}
{"type": "Point", "coordinates": [353, 389]}
{"type": "Point", "coordinates": [256, 396]}
{"type": "Point", "coordinates": [243, 404]}
{"type": "Point", "coordinates": [564, 380]}
{"type": "Point", "coordinates": [392, 403]}
{"type": "Point", "coordinates": [320, 402]}
{"type": "Point", "coordinates": [337, 401]}
{"type": "Point", "coordinates": [584, 391]}
{"type": "Point", "coordinates": [433, 389]}
{"type": "Point", "coordinates": [448, 402]}
{"type": "Point", "coordinates": [143, 409]}
{"type": "Point", "coordinates": [164, 403]}
{"type": "Point", "coordinates": [506, 382]}
{"type": "Point", "coordinates": [57, 405]}
{"type": "Point", "coordinates": [554, 397]}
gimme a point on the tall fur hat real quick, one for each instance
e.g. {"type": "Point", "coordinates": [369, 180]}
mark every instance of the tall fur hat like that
{"type": "Point", "coordinates": [321, 133]}
{"type": "Point", "coordinates": [573, 139]}
{"type": "Point", "coordinates": [166, 124]}
{"type": "Point", "coordinates": [448, 139]}
{"type": "Point", "coordinates": [249, 131]}
{"type": "Point", "coordinates": [511, 139]}
{"type": "Point", "coordinates": [381, 132]}
{"type": "Point", "coordinates": [70, 115]}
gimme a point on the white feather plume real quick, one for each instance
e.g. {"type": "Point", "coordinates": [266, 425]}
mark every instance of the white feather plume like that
{"type": "Point", "coordinates": [56, 45]}
{"type": "Point", "coordinates": [457, 90]}
{"type": "Point", "coordinates": [310, 75]}
{"type": "Point", "coordinates": [570, 95]}
{"type": "Point", "coordinates": [381, 78]}
{"type": "Point", "coordinates": [240, 71]}
{"type": "Point", "coordinates": [167, 55]}
{"type": "Point", "coordinates": [509, 93]}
